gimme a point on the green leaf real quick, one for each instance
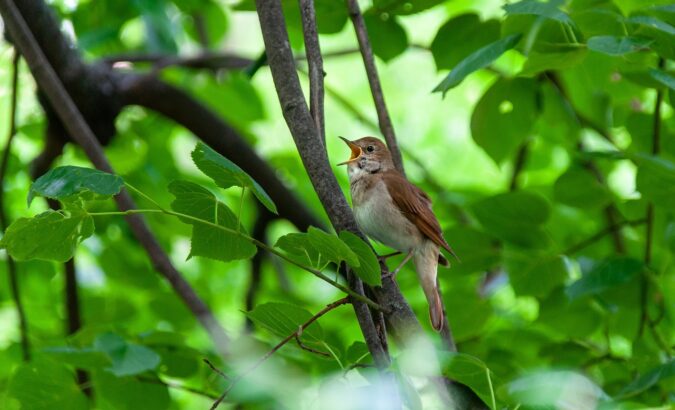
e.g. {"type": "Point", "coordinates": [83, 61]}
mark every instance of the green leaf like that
{"type": "Point", "coordinates": [332, 247]}
{"type": "Point", "coordinates": [369, 267]}
{"type": "Point", "coordinates": [538, 62]}
{"type": "Point", "coordinates": [515, 217]}
{"type": "Point", "coordinates": [63, 182]}
{"type": "Point", "coordinates": [510, 106]}
{"type": "Point", "coordinates": [83, 358]}
{"type": "Point", "coordinates": [537, 8]}
{"type": "Point", "coordinates": [208, 240]}
{"type": "Point", "coordinates": [663, 78]}
{"type": "Point", "coordinates": [578, 187]}
{"type": "Point", "coordinates": [297, 247]}
{"type": "Point", "coordinates": [46, 385]}
{"type": "Point", "coordinates": [652, 22]}
{"type": "Point", "coordinates": [127, 358]}
{"type": "Point", "coordinates": [618, 46]}
{"type": "Point", "coordinates": [656, 180]}
{"type": "Point", "coordinates": [387, 37]}
{"type": "Point", "coordinates": [649, 379]}
{"type": "Point", "coordinates": [472, 372]}
{"type": "Point", "coordinates": [481, 58]}
{"type": "Point", "coordinates": [459, 37]}
{"type": "Point", "coordinates": [547, 389]}
{"type": "Point", "coordinates": [568, 318]}
{"type": "Point", "coordinates": [226, 174]}
{"type": "Point", "coordinates": [283, 319]}
{"type": "Point", "coordinates": [606, 275]}
{"type": "Point", "coordinates": [536, 276]}
{"type": "Point", "coordinates": [49, 236]}
{"type": "Point", "coordinates": [125, 393]}
{"type": "Point", "coordinates": [479, 251]}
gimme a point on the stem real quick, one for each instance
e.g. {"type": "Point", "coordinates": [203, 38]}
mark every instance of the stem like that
{"type": "Point", "coordinates": [241, 207]}
{"type": "Point", "coordinates": [256, 242]}
{"type": "Point", "coordinates": [144, 195]}
{"type": "Point", "coordinates": [386, 126]}
{"type": "Point", "coordinates": [11, 265]}
{"type": "Point", "coordinates": [649, 234]}
{"type": "Point", "coordinates": [315, 62]}
{"type": "Point", "coordinates": [278, 346]}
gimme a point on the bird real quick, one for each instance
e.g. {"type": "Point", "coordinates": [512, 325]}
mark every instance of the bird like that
{"type": "Point", "coordinates": [393, 211]}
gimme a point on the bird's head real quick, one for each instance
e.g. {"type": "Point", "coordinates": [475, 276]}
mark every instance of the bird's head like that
{"type": "Point", "coordinates": [369, 155]}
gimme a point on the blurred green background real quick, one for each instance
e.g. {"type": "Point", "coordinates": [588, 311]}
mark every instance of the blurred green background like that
{"type": "Point", "coordinates": [559, 322]}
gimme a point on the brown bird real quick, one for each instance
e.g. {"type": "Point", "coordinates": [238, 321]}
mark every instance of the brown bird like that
{"type": "Point", "coordinates": [391, 210]}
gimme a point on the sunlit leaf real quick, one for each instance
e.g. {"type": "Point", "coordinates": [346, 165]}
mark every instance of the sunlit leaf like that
{"type": "Point", "coordinates": [226, 173]}
{"type": "Point", "coordinates": [653, 23]}
{"type": "Point", "coordinates": [50, 236]}
{"type": "Point", "coordinates": [480, 58]}
{"type": "Point", "coordinates": [64, 182]}
{"type": "Point", "coordinates": [332, 247]}
{"type": "Point", "coordinates": [369, 267]}
{"type": "Point", "coordinates": [207, 239]}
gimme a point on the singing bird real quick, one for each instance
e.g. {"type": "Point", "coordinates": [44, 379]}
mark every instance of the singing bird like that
{"type": "Point", "coordinates": [396, 213]}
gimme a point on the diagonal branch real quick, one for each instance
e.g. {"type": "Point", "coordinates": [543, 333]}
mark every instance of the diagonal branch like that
{"type": "Point", "coordinates": [4, 162]}
{"type": "Point", "coordinates": [279, 345]}
{"type": "Point", "coordinates": [77, 127]}
{"type": "Point", "coordinates": [315, 62]}
{"type": "Point", "coordinates": [386, 127]}
{"type": "Point", "coordinates": [307, 140]}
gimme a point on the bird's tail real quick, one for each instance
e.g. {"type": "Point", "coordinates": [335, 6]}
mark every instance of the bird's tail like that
{"type": "Point", "coordinates": [426, 265]}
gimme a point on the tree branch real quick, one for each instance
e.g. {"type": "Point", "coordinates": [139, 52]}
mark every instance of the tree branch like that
{"type": "Point", "coordinates": [315, 62]}
{"type": "Point", "coordinates": [386, 126]}
{"type": "Point", "coordinates": [316, 163]}
{"type": "Point", "coordinates": [73, 316]}
{"type": "Point", "coordinates": [279, 345]}
{"type": "Point", "coordinates": [149, 92]}
{"type": "Point", "coordinates": [50, 84]}
{"type": "Point", "coordinates": [258, 232]}
{"type": "Point", "coordinates": [601, 234]}
{"type": "Point", "coordinates": [4, 221]}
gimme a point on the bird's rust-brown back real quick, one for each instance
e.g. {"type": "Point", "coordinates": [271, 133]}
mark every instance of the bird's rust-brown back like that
{"type": "Point", "coordinates": [415, 204]}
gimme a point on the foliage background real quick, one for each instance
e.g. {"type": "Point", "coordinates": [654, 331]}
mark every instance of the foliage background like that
{"type": "Point", "coordinates": [542, 314]}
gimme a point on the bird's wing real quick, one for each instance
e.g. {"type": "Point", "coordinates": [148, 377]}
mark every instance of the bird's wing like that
{"type": "Point", "coordinates": [415, 204]}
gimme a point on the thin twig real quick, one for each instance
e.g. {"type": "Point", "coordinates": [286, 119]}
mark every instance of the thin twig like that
{"type": "Point", "coordinates": [79, 130]}
{"type": "Point", "coordinates": [649, 234]}
{"type": "Point", "coordinates": [599, 235]}
{"type": "Point", "coordinates": [177, 386]}
{"type": "Point", "coordinates": [309, 349]}
{"type": "Point", "coordinates": [518, 165]}
{"type": "Point", "coordinates": [4, 222]}
{"type": "Point", "coordinates": [73, 315]}
{"type": "Point", "coordinates": [315, 63]}
{"type": "Point", "coordinates": [278, 346]}
{"type": "Point", "coordinates": [215, 369]}
{"type": "Point", "coordinates": [386, 126]}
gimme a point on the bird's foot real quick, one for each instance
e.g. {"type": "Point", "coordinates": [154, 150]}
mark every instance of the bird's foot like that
{"type": "Point", "coordinates": [391, 275]}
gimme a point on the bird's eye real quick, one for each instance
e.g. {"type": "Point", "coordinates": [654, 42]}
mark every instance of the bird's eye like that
{"type": "Point", "coordinates": [370, 148]}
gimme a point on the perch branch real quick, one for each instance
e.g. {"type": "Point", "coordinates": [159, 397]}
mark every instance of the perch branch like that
{"type": "Point", "coordinates": [4, 221]}
{"type": "Point", "coordinates": [79, 130]}
{"type": "Point", "coordinates": [386, 127]}
{"type": "Point", "coordinates": [278, 346]}
{"type": "Point", "coordinates": [307, 140]}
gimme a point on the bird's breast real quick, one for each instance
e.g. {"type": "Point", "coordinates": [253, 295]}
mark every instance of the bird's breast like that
{"type": "Point", "coordinates": [380, 219]}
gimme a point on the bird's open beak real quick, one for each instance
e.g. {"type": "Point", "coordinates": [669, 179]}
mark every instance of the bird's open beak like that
{"type": "Point", "coordinates": [356, 151]}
